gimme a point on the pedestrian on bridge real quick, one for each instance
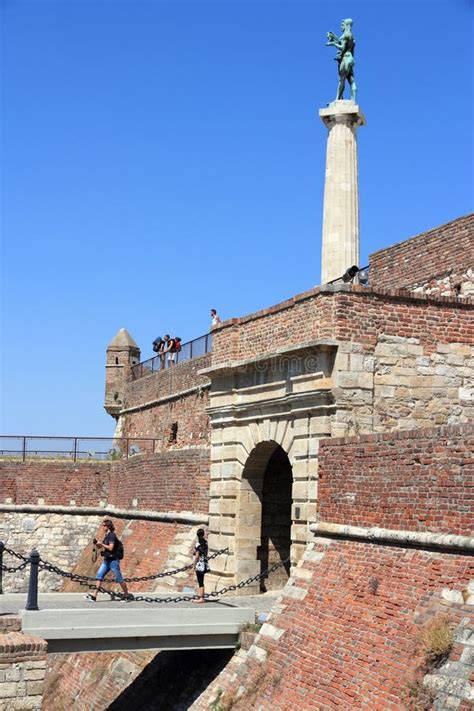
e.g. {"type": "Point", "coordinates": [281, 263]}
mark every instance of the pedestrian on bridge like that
{"type": "Point", "coordinates": [201, 564]}
{"type": "Point", "coordinates": [111, 549]}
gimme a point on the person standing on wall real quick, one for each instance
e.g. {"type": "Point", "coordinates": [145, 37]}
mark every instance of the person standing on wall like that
{"type": "Point", "coordinates": [170, 350]}
{"type": "Point", "coordinates": [111, 549]}
{"type": "Point", "coordinates": [215, 318]}
{"type": "Point", "coordinates": [201, 564]}
{"type": "Point", "coordinates": [158, 344]}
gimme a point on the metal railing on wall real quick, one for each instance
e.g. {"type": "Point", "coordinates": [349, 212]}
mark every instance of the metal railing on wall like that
{"type": "Point", "coordinates": [191, 349]}
{"type": "Point", "coordinates": [74, 449]}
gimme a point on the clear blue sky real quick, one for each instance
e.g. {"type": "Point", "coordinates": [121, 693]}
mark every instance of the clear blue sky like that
{"type": "Point", "coordinates": [162, 158]}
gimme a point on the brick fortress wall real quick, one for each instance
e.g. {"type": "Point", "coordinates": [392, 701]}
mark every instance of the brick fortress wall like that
{"type": "Point", "coordinates": [440, 261]}
{"type": "Point", "coordinates": [176, 480]}
{"type": "Point", "coordinates": [345, 313]}
{"type": "Point", "coordinates": [347, 634]}
{"type": "Point", "coordinates": [417, 480]}
{"type": "Point", "coordinates": [178, 395]}
{"type": "Point", "coordinates": [350, 628]}
{"type": "Point", "coordinates": [403, 360]}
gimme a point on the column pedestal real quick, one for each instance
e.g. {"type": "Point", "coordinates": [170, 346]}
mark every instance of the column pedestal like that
{"type": "Point", "coordinates": [340, 243]}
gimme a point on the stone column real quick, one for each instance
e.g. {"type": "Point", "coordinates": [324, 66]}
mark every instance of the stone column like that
{"type": "Point", "coordinates": [341, 192]}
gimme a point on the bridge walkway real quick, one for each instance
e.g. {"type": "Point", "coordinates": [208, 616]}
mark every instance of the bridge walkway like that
{"type": "Point", "coordinates": [71, 624]}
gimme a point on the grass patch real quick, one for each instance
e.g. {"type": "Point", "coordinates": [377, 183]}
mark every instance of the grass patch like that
{"type": "Point", "coordinates": [437, 641]}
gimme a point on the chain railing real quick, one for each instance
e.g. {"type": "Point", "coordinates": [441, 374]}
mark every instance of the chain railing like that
{"type": "Point", "coordinates": [74, 449]}
{"type": "Point", "coordinates": [37, 563]}
{"type": "Point", "coordinates": [191, 349]}
{"type": "Point", "coordinates": [75, 577]}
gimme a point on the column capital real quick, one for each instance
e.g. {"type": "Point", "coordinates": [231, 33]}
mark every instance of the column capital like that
{"type": "Point", "coordinates": [343, 111]}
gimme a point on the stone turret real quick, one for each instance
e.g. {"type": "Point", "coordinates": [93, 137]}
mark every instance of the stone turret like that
{"type": "Point", "coordinates": [122, 353]}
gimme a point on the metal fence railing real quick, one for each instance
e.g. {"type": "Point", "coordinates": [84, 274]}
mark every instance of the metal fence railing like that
{"type": "Point", "coordinates": [74, 449]}
{"type": "Point", "coordinates": [191, 349]}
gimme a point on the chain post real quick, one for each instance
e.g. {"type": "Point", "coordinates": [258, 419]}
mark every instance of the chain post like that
{"type": "Point", "coordinates": [2, 547]}
{"type": "Point", "coordinates": [32, 601]}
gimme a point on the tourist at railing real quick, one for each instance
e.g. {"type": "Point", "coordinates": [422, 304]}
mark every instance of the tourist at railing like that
{"type": "Point", "coordinates": [215, 318]}
{"type": "Point", "coordinates": [180, 352]}
{"type": "Point", "coordinates": [157, 344]}
{"type": "Point", "coordinates": [177, 344]}
{"type": "Point", "coordinates": [168, 352]}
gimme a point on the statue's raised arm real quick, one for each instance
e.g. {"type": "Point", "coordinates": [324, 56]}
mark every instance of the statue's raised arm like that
{"type": "Point", "coordinates": [345, 44]}
{"type": "Point", "coordinates": [332, 38]}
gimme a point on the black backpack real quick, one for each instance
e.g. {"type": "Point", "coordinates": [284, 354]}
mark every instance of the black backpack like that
{"type": "Point", "coordinates": [119, 550]}
{"type": "Point", "coordinates": [157, 343]}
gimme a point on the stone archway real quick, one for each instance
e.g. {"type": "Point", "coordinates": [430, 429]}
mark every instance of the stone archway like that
{"type": "Point", "coordinates": [263, 525]}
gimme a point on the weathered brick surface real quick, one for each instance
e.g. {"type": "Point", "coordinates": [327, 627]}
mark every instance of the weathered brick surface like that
{"type": "Point", "coordinates": [134, 680]}
{"type": "Point", "coordinates": [163, 383]}
{"type": "Point", "coordinates": [16, 647]}
{"type": "Point", "coordinates": [436, 261]}
{"type": "Point", "coordinates": [346, 634]}
{"type": "Point", "coordinates": [90, 680]}
{"type": "Point", "coordinates": [32, 482]}
{"type": "Point", "coordinates": [362, 315]}
{"type": "Point", "coordinates": [152, 403]}
{"type": "Point", "coordinates": [176, 480]}
{"type": "Point", "coordinates": [417, 481]}
{"type": "Point", "coordinates": [358, 315]}
{"type": "Point", "coordinates": [188, 413]}
{"type": "Point", "coordinates": [10, 623]}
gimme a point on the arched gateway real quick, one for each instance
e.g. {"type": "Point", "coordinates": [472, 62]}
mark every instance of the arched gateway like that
{"type": "Point", "coordinates": [266, 421]}
{"type": "Point", "coordinates": [264, 521]}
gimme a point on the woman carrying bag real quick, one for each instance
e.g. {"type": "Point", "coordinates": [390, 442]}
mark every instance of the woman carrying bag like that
{"type": "Point", "coordinates": [201, 564]}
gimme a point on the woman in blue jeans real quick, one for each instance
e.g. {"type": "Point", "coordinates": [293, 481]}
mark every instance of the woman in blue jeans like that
{"type": "Point", "coordinates": [108, 551]}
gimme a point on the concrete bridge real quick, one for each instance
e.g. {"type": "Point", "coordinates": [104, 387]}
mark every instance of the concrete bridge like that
{"type": "Point", "coordinates": [71, 624]}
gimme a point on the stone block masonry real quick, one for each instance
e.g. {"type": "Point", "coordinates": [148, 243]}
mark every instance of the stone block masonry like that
{"type": "Point", "coordinates": [418, 481]}
{"type": "Point", "coordinates": [22, 671]}
{"type": "Point", "coordinates": [59, 539]}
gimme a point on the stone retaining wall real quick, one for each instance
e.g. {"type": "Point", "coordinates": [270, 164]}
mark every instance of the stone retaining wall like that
{"type": "Point", "coordinates": [22, 671]}
{"type": "Point", "coordinates": [151, 547]}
